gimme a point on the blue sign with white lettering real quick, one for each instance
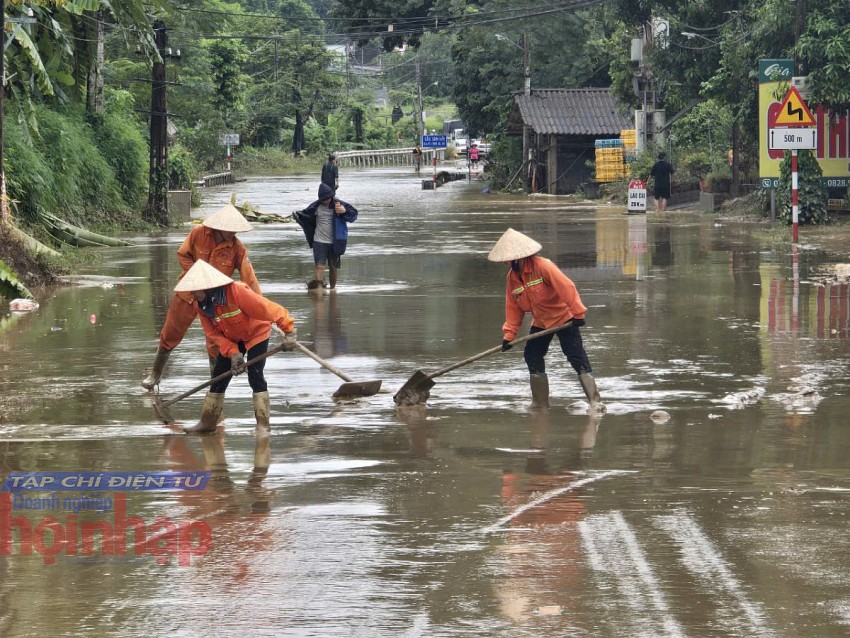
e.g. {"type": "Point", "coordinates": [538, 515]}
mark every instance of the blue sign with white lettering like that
{"type": "Point", "coordinates": [433, 141]}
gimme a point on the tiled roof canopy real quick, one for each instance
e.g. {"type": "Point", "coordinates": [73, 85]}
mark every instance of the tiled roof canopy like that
{"type": "Point", "coordinates": [569, 112]}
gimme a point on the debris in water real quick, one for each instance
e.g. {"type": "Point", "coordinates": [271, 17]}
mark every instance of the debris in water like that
{"type": "Point", "coordinates": [93, 319]}
{"type": "Point", "coordinates": [660, 416]}
{"type": "Point", "coordinates": [22, 305]}
{"type": "Point", "coordinates": [550, 610]}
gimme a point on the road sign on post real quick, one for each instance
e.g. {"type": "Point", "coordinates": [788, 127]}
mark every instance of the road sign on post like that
{"type": "Point", "coordinates": [793, 111]}
{"type": "Point", "coordinates": [228, 140]}
{"type": "Point", "coordinates": [637, 196]}
{"type": "Point", "coordinates": [433, 141]}
{"type": "Point", "coordinates": [792, 138]}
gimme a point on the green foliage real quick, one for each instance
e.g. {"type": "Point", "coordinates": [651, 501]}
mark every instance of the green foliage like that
{"type": "Point", "coordinates": [124, 148]}
{"type": "Point", "coordinates": [824, 49]}
{"type": "Point", "coordinates": [227, 59]}
{"type": "Point", "coordinates": [504, 161]}
{"type": "Point", "coordinates": [10, 285]}
{"type": "Point", "coordinates": [181, 168]}
{"type": "Point", "coordinates": [811, 196]}
{"type": "Point", "coordinates": [72, 171]}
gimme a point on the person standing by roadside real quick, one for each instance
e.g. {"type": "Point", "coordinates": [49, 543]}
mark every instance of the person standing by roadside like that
{"type": "Point", "coordinates": [662, 172]}
{"type": "Point", "coordinates": [538, 286]}
{"type": "Point", "coordinates": [325, 225]}
{"type": "Point", "coordinates": [417, 158]}
{"type": "Point", "coordinates": [239, 321]}
{"type": "Point", "coordinates": [213, 241]}
{"type": "Point", "coordinates": [330, 173]}
{"type": "Point", "coordinates": [473, 156]}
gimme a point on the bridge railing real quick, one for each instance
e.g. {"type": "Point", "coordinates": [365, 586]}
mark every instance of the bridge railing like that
{"type": "Point", "coordinates": [387, 157]}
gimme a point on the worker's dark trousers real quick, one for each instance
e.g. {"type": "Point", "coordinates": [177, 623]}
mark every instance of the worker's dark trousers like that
{"type": "Point", "coordinates": [255, 372]}
{"type": "Point", "coordinates": [571, 345]}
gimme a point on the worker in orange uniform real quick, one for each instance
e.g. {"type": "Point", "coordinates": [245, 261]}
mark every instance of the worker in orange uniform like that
{"type": "Point", "coordinates": [213, 241]}
{"type": "Point", "coordinates": [238, 321]}
{"type": "Point", "coordinates": [538, 286]}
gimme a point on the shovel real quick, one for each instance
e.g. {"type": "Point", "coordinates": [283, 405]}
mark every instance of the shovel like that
{"type": "Point", "coordinates": [350, 388]}
{"type": "Point", "coordinates": [161, 407]}
{"type": "Point", "coordinates": [347, 390]}
{"type": "Point", "coordinates": [416, 390]}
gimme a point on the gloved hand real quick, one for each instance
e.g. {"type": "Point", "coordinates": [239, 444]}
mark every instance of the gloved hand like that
{"type": "Point", "coordinates": [290, 339]}
{"type": "Point", "coordinates": [577, 323]}
{"type": "Point", "coordinates": [237, 363]}
{"type": "Point", "coordinates": [506, 345]}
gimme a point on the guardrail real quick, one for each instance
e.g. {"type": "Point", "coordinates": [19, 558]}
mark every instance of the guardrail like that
{"type": "Point", "coordinates": [387, 157]}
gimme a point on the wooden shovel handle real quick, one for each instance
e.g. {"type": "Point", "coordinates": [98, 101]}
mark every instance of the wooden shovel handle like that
{"type": "Point", "coordinates": [322, 362]}
{"type": "Point", "coordinates": [496, 349]}
{"type": "Point", "coordinates": [223, 375]}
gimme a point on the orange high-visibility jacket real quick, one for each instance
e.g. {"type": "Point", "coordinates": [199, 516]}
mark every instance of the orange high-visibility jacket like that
{"type": "Point", "coordinates": [245, 316]}
{"type": "Point", "coordinates": [226, 257]}
{"type": "Point", "coordinates": [544, 291]}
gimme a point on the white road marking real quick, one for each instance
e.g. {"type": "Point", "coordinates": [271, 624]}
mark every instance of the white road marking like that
{"type": "Point", "coordinates": [705, 562]}
{"type": "Point", "coordinates": [548, 496]}
{"type": "Point", "coordinates": [612, 548]}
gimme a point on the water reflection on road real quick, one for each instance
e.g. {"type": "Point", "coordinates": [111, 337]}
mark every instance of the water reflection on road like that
{"type": "Point", "coordinates": [469, 515]}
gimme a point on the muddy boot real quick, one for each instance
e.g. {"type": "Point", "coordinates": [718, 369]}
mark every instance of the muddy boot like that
{"type": "Point", "coordinates": [153, 378]}
{"type": "Point", "coordinates": [588, 384]}
{"type": "Point", "coordinates": [262, 409]}
{"type": "Point", "coordinates": [210, 414]}
{"type": "Point", "coordinates": [539, 391]}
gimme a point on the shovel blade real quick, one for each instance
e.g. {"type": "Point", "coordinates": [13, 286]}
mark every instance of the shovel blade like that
{"type": "Point", "coordinates": [161, 411]}
{"type": "Point", "coordinates": [357, 389]}
{"type": "Point", "coordinates": [416, 390]}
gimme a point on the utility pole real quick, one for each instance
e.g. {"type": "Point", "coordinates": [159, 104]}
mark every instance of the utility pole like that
{"type": "Point", "coordinates": [157, 208]}
{"type": "Point", "coordinates": [526, 90]}
{"type": "Point", "coordinates": [421, 126]}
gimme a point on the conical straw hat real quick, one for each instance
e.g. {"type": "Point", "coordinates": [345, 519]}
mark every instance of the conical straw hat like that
{"type": "Point", "coordinates": [513, 245]}
{"type": "Point", "coordinates": [202, 276]}
{"type": "Point", "coordinates": [229, 220]}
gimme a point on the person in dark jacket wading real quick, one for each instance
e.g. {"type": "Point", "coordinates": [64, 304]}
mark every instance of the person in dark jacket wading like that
{"type": "Point", "coordinates": [325, 225]}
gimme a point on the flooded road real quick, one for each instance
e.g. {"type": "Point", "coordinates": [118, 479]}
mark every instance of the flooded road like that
{"type": "Point", "coordinates": [471, 515]}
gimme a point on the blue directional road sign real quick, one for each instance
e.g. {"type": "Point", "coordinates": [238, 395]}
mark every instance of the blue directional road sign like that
{"type": "Point", "coordinates": [433, 141]}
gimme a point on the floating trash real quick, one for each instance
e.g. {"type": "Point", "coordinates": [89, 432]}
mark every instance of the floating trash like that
{"type": "Point", "coordinates": [23, 305]}
{"type": "Point", "coordinates": [93, 319]}
{"type": "Point", "coordinates": [660, 416]}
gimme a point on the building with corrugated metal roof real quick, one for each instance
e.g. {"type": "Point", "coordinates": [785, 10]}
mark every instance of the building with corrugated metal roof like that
{"type": "Point", "coordinates": [562, 126]}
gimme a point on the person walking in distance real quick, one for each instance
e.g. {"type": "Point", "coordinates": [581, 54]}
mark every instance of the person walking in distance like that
{"type": "Point", "coordinates": [325, 225]}
{"type": "Point", "coordinates": [417, 158]}
{"type": "Point", "coordinates": [330, 173]}
{"type": "Point", "coordinates": [662, 174]}
{"type": "Point", "coordinates": [239, 321]}
{"type": "Point", "coordinates": [213, 241]}
{"type": "Point", "coordinates": [473, 156]}
{"type": "Point", "coordinates": [536, 285]}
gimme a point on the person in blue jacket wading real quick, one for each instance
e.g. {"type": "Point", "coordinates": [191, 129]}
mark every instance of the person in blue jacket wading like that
{"type": "Point", "coordinates": [325, 225]}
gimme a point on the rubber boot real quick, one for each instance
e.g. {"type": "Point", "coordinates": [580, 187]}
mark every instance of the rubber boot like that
{"type": "Point", "coordinates": [262, 409]}
{"type": "Point", "coordinates": [588, 384]}
{"type": "Point", "coordinates": [539, 390]}
{"type": "Point", "coordinates": [210, 414]}
{"type": "Point", "coordinates": [153, 378]}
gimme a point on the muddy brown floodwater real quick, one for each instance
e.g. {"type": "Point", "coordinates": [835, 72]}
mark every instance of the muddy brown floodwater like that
{"type": "Point", "coordinates": [470, 515]}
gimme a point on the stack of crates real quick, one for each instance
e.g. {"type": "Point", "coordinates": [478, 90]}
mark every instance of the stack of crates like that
{"type": "Point", "coordinates": [629, 139]}
{"type": "Point", "coordinates": [609, 161]}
